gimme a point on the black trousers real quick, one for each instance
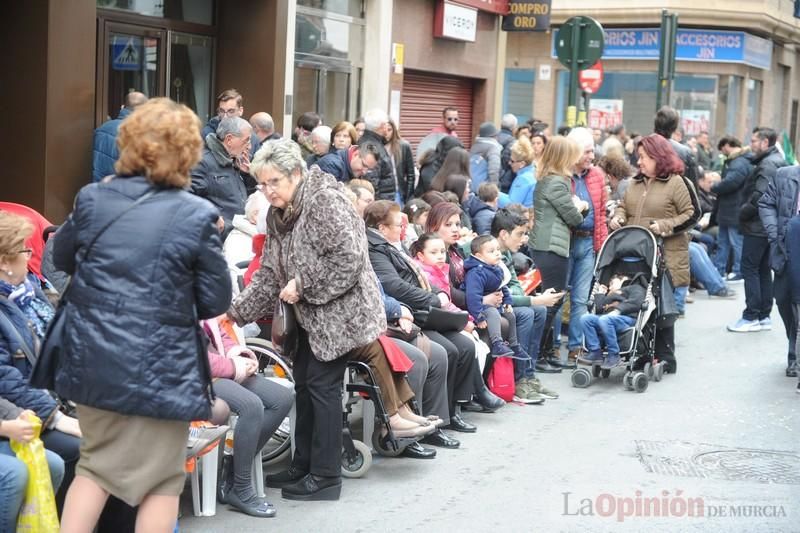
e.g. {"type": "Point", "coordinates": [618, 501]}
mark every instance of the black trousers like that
{"type": "Point", "coordinates": [553, 269]}
{"type": "Point", "coordinates": [783, 298]}
{"type": "Point", "coordinates": [757, 278]}
{"type": "Point", "coordinates": [318, 397]}
{"type": "Point", "coordinates": [463, 372]}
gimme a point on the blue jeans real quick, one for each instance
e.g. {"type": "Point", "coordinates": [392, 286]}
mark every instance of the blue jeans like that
{"type": "Point", "coordinates": [14, 479]}
{"type": "Point", "coordinates": [530, 327]}
{"type": "Point", "coordinates": [680, 298]}
{"type": "Point", "coordinates": [728, 239]}
{"type": "Point", "coordinates": [703, 269]}
{"type": "Point", "coordinates": [606, 326]}
{"type": "Point", "coordinates": [581, 268]}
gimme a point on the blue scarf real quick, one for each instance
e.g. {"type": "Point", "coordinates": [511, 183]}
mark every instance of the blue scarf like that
{"type": "Point", "coordinates": [38, 312]}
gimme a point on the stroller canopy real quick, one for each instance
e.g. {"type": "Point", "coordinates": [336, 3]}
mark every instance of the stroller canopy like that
{"type": "Point", "coordinates": [629, 244]}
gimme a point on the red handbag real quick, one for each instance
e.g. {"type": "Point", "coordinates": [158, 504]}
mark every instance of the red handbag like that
{"type": "Point", "coordinates": [501, 378]}
{"type": "Point", "coordinates": [398, 361]}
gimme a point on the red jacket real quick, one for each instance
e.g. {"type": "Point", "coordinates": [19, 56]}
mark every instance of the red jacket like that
{"type": "Point", "coordinates": [596, 184]}
{"type": "Point", "coordinates": [36, 241]}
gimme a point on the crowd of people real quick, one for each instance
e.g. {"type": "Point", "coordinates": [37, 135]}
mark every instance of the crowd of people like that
{"type": "Point", "coordinates": [374, 250]}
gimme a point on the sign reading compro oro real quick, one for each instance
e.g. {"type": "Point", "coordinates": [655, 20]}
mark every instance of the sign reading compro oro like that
{"type": "Point", "coordinates": [527, 15]}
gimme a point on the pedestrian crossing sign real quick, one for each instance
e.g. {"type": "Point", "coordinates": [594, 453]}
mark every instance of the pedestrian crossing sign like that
{"type": "Point", "coordinates": [126, 53]}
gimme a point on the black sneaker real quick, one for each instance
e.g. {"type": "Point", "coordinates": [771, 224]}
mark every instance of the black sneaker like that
{"type": "Point", "coordinates": [791, 369]}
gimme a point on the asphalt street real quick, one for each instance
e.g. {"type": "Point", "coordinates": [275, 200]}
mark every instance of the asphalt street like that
{"type": "Point", "coordinates": [712, 448]}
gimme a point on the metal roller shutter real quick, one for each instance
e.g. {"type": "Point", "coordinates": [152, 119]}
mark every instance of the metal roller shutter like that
{"type": "Point", "coordinates": [423, 98]}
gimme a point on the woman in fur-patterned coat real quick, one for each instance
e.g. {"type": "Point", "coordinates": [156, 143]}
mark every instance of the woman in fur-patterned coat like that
{"type": "Point", "coordinates": [316, 259]}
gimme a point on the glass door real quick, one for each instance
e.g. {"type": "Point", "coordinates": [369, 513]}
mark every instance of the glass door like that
{"type": "Point", "coordinates": [133, 59]}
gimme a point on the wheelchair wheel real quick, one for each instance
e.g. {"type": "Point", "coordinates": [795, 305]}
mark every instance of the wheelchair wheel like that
{"type": "Point", "coordinates": [356, 466]}
{"type": "Point", "coordinates": [378, 445]}
{"type": "Point", "coordinates": [272, 366]}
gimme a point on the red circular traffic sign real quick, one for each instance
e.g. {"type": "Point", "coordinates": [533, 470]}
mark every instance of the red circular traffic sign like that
{"type": "Point", "coordinates": [591, 79]}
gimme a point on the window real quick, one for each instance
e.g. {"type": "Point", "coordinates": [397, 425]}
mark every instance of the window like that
{"type": "Point", "coordinates": [352, 8]}
{"type": "Point", "coordinates": [518, 96]}
{"type": "Point", "coordinates": [197, 11]}
{"type": "Point", "coordinates": [753, 106]}
{"type": "Point", "coordinates": [190, 72]}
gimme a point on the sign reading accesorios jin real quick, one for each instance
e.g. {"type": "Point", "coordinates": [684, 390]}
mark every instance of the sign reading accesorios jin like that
{"type": "Point", "coordinates": [692, 45]}
{"type": "Point", "coordinates": [527, 15]}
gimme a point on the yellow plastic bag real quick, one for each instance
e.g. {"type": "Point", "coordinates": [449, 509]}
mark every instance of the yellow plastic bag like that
{"type": "Point", "coordinates": [38, 513]}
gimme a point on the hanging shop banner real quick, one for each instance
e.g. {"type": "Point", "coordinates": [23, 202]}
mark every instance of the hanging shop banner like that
{"type": "Point", "coordinates": [527, 15]}
{"type": "Point", "coordinates": [692, 45]}
{"type": "Point", "coordinates": [604, 114]}
{"type": "Point", "coordinates": [456, 22]}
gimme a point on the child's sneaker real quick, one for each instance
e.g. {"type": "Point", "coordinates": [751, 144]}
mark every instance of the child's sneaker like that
{"type": "Point", "coordinates": [501, 349]}
{"type": "Point", "coordinates": [610, 362]}
{"type": "Point", "coordinates": [592, 357]}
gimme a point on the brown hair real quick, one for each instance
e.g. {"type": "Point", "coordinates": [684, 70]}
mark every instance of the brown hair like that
{"type": "Point", "coordinates": [488, 192]}
{"type": "Point", "coordinates": [362, 183]}
{"type": "Point", "coordinates": [161, 141]}
{"type": "Point", "coordinates": [456, 162]}
{"type": "Point", "coordinates": [616, 166]}
{"type": "Point", "coordinates": [559, 155]}
{"type": "Point", "coordinates": [378, 212]}
{"type": "Point", "coordinates": [345, 126]}
{"type": "Point", "coordinates": [230, 94]}
{"type": "Point", "coordinates": [14, 231]}
{"type": "Point", "coordinates": [439, 214]}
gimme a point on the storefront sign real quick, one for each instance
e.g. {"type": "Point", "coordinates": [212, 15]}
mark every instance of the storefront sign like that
{"type": "Point", "coordinates": [499, 7]}
{"type": "Point", "coordinates": [126, 54]}
{"type": "Point", "coordinates": [693, 45]}
{"type": "Point", "coordinates": [694, 121]}
{"type": "Point", "coordinates": [604, 114]}
{"type": "Point", "coordinates": [527, 15]}
{"type": "Point", "coordinates": [453, 21]}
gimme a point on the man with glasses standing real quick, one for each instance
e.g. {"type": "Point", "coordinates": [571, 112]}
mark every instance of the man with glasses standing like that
{"type": "Point", "coordinates": [229, 104]}
{"type": "Point", "coordinates": [449, 122]}
{"type": "Point", "coordinates": [222, 175]}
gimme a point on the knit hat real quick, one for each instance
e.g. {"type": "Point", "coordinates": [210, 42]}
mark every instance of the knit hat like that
{"type": "Point", "coordinates": [487, 129]}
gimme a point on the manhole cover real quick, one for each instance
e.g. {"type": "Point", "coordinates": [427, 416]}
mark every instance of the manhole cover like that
{"type": "Point", "coordinates": [756, 465]}
{"type": "Point", "coordinates": [685, 459]}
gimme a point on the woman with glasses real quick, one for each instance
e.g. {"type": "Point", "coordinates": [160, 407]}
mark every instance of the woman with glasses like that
{"type": "Point", "coordinates": [524, 184]}
{"type": "Point", "coordinates": [25, 313]}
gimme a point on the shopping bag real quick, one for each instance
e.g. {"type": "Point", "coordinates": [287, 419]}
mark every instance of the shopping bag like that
{"type": "Point", "coordinates": [38, 513]}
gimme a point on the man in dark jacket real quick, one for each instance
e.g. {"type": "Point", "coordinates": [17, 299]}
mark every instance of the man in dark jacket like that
{"type": "Point", "coordinates": [350, 163]}
{"type": "Point", "coordinates": [221, 176]}
{"type": "Point", "coordinates": [758, 285]}
{"type": "Point", "coordinates": [382, 178]}
{"type": "Point", "coordinates": [506, 138]}
{"type": "Point", "coordinates": [737, 168]}
{"type": "Point", "coordinates": [264, 127]}
{"type": "Point", "coordinates": [777, 207]}
{"type": "Point", "coordinates": [104, 151]}
{"type": "Point", "coordinates": [666, 122]}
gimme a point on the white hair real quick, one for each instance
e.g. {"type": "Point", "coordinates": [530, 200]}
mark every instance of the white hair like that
{"type": "Point", "coordinates": [282, 154]}
{"type": "Point", "coordinates": [374, 119]}
{"type": "Point", "coordinates": [321, 133]}
{"type": "Point", "coordinates": [582, 136]}
{"type": "Point", "coordinates": [235, 126]}
{"type": "Point", "coordinates": [509, 122]}
{"type": "Point", "coordinates": [255, 203]}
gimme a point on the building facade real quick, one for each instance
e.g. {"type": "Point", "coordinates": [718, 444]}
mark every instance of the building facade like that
{"type": "Point", "coordinates": [737, 66]}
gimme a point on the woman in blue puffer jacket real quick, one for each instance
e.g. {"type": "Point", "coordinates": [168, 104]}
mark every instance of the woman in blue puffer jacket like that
{"type": "Point", "coordinates": [132, 360]}
{"type": "Point", "coordinates": [524, 184]}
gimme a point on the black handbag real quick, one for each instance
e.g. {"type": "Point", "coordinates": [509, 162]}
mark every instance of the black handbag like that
{"type": "Point", "coordinates": [284, 328]}
{"type": "Point", "coordinates": [43, 374]}
{"type": "Point", "coordinates": [666, 307]}
{"type": "Point", "coordinates": [440, 320]}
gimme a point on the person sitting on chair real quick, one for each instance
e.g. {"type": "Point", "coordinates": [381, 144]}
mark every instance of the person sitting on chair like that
{"type": "Point", "coordinates": [617, 307]}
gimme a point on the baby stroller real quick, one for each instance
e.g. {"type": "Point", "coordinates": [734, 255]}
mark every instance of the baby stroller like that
{"type": "Point", "coordinates": [633, 251]}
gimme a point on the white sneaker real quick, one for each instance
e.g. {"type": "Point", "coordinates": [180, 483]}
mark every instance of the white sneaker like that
{"type": "Point", "coordinates": [766, 324]}
{"type": "Point", "coordinates": [745, 326]}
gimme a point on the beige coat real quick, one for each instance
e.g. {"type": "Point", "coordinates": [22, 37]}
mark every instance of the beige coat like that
{"type": "Point", "coordinates": [667, 202]}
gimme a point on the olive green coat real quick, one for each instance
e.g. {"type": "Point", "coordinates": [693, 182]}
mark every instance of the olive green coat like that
{"type": "Point", "coordinates": [554, 215]}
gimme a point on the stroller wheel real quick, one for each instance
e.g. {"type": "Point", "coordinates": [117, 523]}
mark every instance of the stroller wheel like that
{"type": "Point", "coordinates": [640, 382]}
{"type": "Point", "coordinates": [581, 378]}
{"type": "Point", "coordinates": [648, 370]}
{"type": "Point", "coordinates": [358, 464]}
{"type": "Point", "coordinates": [596, 371]}
{"type": "Point", "coordinates": [627, 380]}
{"type": "Point", "coordinates": [605, 372]}
{"type": "Point", "coordinates": [658, 372]}
{"type": "Point", "coordinates": [382, 445]}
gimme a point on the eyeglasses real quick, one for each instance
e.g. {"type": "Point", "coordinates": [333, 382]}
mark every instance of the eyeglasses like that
{"type": "Point", "coordinates": [269, 184]}
{"type": "Point", "coordinates": [452, 119]}
{"type": "Point", "coordinates": [227, 112]}
{"type": "Point", "coordinates": [26, 251]}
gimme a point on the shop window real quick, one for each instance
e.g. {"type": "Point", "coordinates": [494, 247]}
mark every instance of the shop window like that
{"type": "Point", "coordinates": [197, 11]}
{"type": "Point", "coordinates": [518, 93]}
{"type": "Point", "coordinates": [695, 98]}
{"type": "Point", "coordinates": [352, 8]}
{"type": "Point", "coordinates": [728, 106]}
{"type": "Point", "coordinates": [753, 106]}
{"type": "Point", "coordinates": [190, 72]}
